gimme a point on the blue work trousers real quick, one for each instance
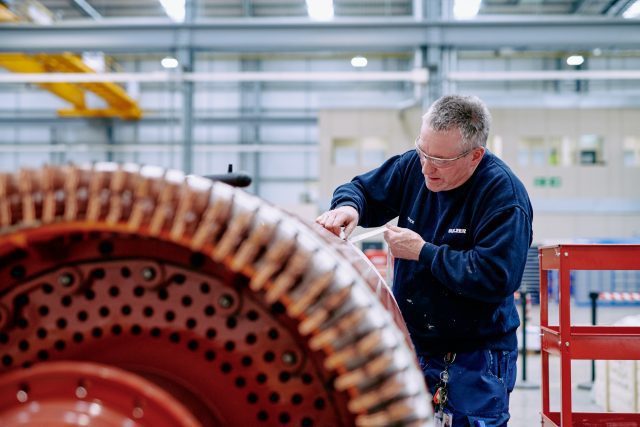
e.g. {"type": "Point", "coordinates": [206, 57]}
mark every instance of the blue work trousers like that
{"type": "Point", "coordinates": [479, 386]}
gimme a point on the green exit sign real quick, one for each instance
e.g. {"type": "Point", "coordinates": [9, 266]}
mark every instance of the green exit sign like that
{"type": "Point", "coordinates": [547, 181]}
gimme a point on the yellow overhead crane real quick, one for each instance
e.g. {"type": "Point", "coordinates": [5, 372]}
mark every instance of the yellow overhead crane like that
{"type": "Point", "coordinates": [6, 15]}
{"type": "Point", "coordinates": [119, 103]}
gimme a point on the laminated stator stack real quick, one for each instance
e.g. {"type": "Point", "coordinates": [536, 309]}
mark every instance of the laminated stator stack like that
{"type": "Point", "coordinates": [139, 295]}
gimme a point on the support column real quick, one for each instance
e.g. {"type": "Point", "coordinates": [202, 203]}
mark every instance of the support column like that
{"type": "Point", "coordinates": [185, 57]}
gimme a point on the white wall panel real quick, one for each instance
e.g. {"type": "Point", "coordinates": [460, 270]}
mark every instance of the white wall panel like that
{"type": "Point", "coordinates": [278, 134]}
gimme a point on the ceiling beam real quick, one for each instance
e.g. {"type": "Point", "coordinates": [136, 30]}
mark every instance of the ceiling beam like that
{"type": "Point", "coordinates": [84, 7]}
{"type": "Point", "coordinates": [278, 35]}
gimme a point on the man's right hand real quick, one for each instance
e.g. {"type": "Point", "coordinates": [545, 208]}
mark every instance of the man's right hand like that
{"type": "Point", "coordinates": [334, 220]}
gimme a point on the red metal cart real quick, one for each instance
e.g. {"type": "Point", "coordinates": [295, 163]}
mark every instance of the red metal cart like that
{"type": "Point", "coordinates": [582, 342]}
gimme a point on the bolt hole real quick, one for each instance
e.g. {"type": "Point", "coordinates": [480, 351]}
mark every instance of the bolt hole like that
{"type": "Point", "coordinates": [273, 333]}
{"type": "Point", "coordinates": [284, 418]}
{"type": "Point", "coordinates": [251, 339]}
{"type": "Point", "coordinates": [319, 403]}
{"type": "Point", "coordinates": [61, 323]}
{"type": "Point", "coordinates": [197, 260]}
{"type": "Point", "coordinates": [179, 279]}
{"type": "Point", "coordinates": [7, 360]}
{"type": "Point", "coordinates": [98, 273]}
{"type": "Point", "coordinates": [269, 356]}
{"type": "Point", "coordinates": [232, 322]}
{"type": "Point", "coordinates": [105, 247]}
{"type": "Point", "coordinates": [18, 272]}
{"type": "Point", "coordinates": [296, 399]}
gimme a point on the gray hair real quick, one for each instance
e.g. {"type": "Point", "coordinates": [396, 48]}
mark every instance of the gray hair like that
{"type": "Point", "coordinates": [468, 114]}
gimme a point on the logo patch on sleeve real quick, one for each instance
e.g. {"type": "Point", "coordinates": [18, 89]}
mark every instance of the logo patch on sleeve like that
{"type": "Point", "coordinates": [457, 231]}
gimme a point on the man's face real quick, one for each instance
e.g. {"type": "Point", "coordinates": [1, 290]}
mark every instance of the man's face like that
{"type": "Point", "coordinates": [444, 165]}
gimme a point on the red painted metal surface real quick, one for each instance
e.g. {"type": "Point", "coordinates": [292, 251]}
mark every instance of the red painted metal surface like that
{"type": "Point", "coordinates": [239, 313]}
{"type": "Point", "coordinates": [570, 342]}
{"type": "Point", "coordinates": [61, 394]}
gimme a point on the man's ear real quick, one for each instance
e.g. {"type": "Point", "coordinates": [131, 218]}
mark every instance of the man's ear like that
{"type": "Point", "coordinates": [477, 154]}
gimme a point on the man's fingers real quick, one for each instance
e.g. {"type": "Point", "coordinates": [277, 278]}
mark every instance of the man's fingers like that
{"type": "Point", "coordinates": [349, 229]}
{"type": "Point", "coordinates": [336, 219]}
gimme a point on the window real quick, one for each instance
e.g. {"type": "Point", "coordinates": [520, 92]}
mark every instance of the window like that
{"type": "Point", "coordinates": [590, 150]}
{"type": "Point", "coordinates": [631, 152]}
{"type": "Point", "coordinates": [543, 151]}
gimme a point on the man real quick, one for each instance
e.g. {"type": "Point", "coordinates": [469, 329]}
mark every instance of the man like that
{"type": "Point", "coordinates": [464, 228]}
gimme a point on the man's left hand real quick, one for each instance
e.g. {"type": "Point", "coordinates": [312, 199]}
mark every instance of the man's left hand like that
{"type": "Point", "coordinates": [403, 243]}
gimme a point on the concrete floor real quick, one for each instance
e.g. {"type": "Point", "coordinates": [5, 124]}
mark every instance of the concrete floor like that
{"type": "Point", "coordinates": [525, 404]}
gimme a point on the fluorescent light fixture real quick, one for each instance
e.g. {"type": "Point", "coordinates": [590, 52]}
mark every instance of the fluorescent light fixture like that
{"type": "Point", "coordinates": [320, 10]}
{"type": "Point", "coordinates": [632, 11]}
{"type": "Point", "coordinates": [169, 62]}
{"type": "Point", "coordinates": [466, 9]}
{"type": "Point", "coordinates": [359, 61]}
{"type": "Point", "coordinates": [575, 60]}
{"type": "Point", "coordinates": [175, 9]}
{"type": "Point", "coordinates": [39, 14]}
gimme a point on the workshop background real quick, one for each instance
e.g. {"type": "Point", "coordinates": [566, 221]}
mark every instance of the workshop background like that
{"type": "Point", "coordinates": [302, 96]}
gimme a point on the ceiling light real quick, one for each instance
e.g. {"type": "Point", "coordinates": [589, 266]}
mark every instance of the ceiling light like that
{"type": "Point", "coordinates": [632, 11]}
{"type": "Point", "coordinates": [175, 9]}
{"type": "Point", "coordinates": [320, 10]}
{"type": "Point", "coordinates": [169, 62]}
{"type": "Point", "coordinates": [466, 9]}
{"type": "Point", "coordinates": [359, 61]}
{"type": "Point", "coordinates": [575, 60]}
